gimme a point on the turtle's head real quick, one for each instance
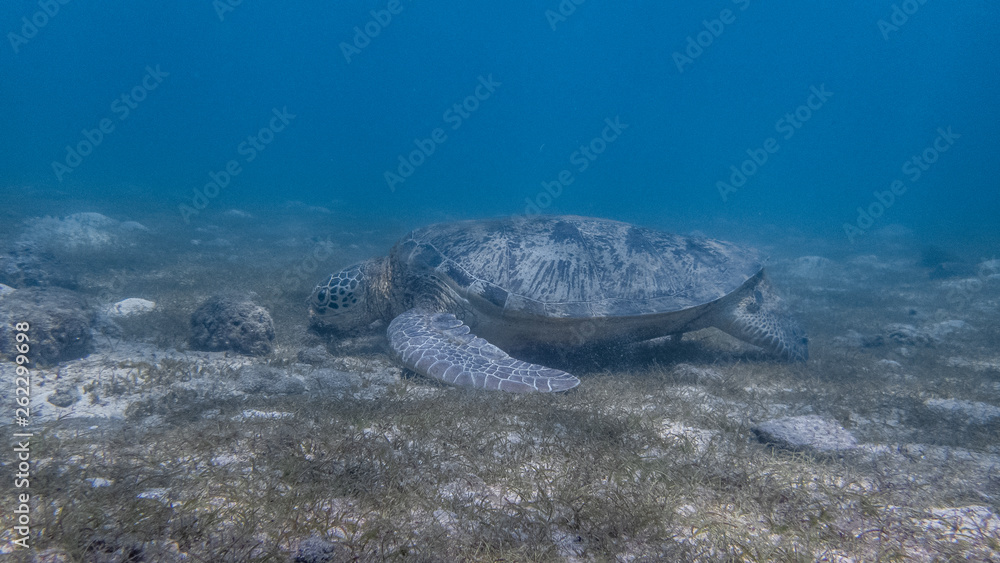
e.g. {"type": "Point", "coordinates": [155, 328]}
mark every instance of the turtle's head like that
{"type": "Point", "coordinates": [757, 315]}
{"type": "Point", "coordinates": [344, 303]}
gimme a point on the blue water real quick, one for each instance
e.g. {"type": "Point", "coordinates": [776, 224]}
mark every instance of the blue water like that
{"type": "Point", "coordinates": [694, 86]}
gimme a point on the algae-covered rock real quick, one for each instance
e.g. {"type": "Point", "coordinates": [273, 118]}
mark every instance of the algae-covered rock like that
{"type": "Point", "coordinates": [81, 232]}
{"type": "Point", "coordinates": [59, 324]}
{"type": "Point", "coordinates": [223, 323]}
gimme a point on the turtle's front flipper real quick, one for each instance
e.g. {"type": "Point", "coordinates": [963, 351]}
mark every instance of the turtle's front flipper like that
{"type": "Point", "coordinates": [439, 345]}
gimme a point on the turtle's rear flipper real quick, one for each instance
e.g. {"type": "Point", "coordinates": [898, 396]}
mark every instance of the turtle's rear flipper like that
{"type": "Point", "coordinates": [439, 345]}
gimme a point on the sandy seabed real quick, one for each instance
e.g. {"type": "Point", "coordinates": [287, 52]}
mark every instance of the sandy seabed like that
{"type": "Point", "coordinates": [146, 448]}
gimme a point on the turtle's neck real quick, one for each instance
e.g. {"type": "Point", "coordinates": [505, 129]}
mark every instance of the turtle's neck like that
{"type": "Point", "coordinates": [378, 275]}
{"type": "Point", "coordinates": [397, 288]}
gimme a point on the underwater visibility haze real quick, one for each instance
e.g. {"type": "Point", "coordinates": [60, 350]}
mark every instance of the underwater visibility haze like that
{"type": "Point", "coordinates": [263, 266]}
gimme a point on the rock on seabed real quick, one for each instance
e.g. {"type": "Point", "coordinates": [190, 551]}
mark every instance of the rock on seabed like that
{"type": "Point", "coordinates": [805, 433]}
{"type": "Point", "coordinates": [972, 412]}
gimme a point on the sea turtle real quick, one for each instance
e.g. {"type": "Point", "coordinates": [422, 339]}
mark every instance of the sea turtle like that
{"type": "Point", "coordinates": [455, 293]}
